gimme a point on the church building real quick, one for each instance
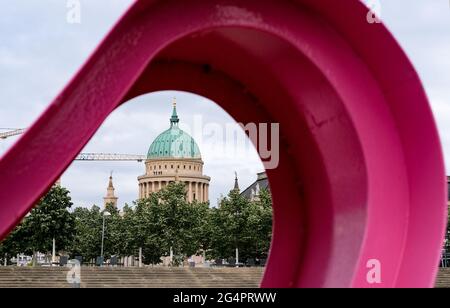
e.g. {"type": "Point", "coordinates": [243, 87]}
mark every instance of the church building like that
{"type": "Point", "coordinates": [174, 156]}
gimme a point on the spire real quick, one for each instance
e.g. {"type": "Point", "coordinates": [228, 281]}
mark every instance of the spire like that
{"type": "Point", "coordinates": [174, 118]}
{"type": "Point", "coordinates": [110, 184]}
{"type": "Point", "coordinates": [236, 184]}
{"type": "Point", "coordinates": [110, 198]}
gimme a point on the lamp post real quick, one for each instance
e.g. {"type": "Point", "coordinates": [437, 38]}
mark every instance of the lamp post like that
{"type": "Point", "coordinates": [105, 214]}
{"type": "Point", "coordinates": [237, 215]}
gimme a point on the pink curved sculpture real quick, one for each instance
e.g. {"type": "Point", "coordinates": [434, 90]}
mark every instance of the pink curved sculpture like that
{"type": "Point", "coordinates": [361, 173]}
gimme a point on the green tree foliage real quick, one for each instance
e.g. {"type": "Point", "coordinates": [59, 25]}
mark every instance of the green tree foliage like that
{"type": "Point", "coordinates": [166, 220]}
{"type": "Point", "coordinates": [259, 225]}
{"type": "Point", "coordinates": [49, 219]}
{"type": "Point", "coordinates": [88, 235]}
{"type": "Point", "coordinates": [88, 227]}
{"type": "Point", "coordinates": [114, 225]}
{"type": "Point", "coordinates": [181, 221]}
{"type": "Point", "coordinates": [156, 224]}
{"type": "Point", "coordinates": [146, 226]}
{"type": "Point", "coordinates": [14, 244]}
{"type": "Point", "coordinates": [243, 224]}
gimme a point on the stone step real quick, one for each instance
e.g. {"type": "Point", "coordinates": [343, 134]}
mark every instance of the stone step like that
{"type": "Point", "coordinates": [91, 277]}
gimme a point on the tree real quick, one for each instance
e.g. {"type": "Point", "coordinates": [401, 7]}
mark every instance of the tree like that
{"type": "Point", "coordinates": [181, 221]}
{"type": "Point", "coordinates": [259, 226]}
{"type": "Point", "coordinates": [165, 221]}
{"type": "Point", "coordinates": [13, 244]}
{"type": "Point", "coordinates": [156, 224]}
{"type": "Point", "coordinates": [230, 221]}
{"type": "Point", "coordinates": [126, 233]}
{"type": "Point", "coordinates": [88, 232]}
{"type": "Point", "coordinates": [203, 230]}
{"type": "Point", "coordinates": [88, 228]}
{"type": "Point", "coordinates": [243, 224]}
{"type": "Point", "coordinates": [147, 229]}
{"type": "Point", "coordinates": [49, 220]}
{"type": "Point", "coordinates": [113, 227]}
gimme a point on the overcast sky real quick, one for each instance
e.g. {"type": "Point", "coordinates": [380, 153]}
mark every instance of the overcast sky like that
{"type": "Point", "coordinates": [40, 51]}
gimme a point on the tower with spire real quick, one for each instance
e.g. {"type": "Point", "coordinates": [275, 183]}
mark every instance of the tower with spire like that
{"type": "Point", "coordinates": [174, 156]}
{"type": "Point", "coordinates": [236, 183]}
{"type": "Point", "coordinates": [110, 198]}
{"type": "Point", "coordinates": [174, 118]}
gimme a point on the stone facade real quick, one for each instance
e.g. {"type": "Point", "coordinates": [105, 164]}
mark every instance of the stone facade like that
{"type": "Point", "coordinates": [160, 172]}
{"type": "Point", "coordinates": [110, 198]}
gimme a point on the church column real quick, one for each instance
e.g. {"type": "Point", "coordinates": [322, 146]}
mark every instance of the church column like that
{"type": "Point", "coordinates": [207, 192]}
{"type": "Point", "coordinates": [204, 192]}
{"type": "Point", "coordinates": [200, 197]}
{"type": "Point", "coordinates": [196, 191]}
{"type": "Point", "coordinates": [159, 185]}
{"type": "Point", "coordinates": [146, 189]}
{"type": "Point", "coordinates": [189, 191]}
{"type": "Point", "coordinates": [140, 191]}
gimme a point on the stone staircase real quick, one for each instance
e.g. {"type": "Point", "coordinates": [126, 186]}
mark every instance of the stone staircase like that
{"type": "Point", "coordinates": [443, 279]}
{"type": "Point", "coordinates": [156, 277]}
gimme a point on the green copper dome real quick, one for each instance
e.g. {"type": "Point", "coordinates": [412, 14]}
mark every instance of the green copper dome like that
{"type": "Point", "coordinates": [174, 142]}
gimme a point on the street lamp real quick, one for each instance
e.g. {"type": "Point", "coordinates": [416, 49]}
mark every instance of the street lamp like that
{"type": "Point", "coordinates": [105, 214]}
{"type": "Point", "coordinates": [237, 215]}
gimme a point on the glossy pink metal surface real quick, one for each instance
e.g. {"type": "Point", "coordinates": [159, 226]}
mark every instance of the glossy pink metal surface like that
{"type": "Point", "coordinates": [361, 173]}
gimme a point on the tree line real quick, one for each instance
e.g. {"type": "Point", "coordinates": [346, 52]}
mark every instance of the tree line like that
{"type": "Point", "coordinates": [161, 223]}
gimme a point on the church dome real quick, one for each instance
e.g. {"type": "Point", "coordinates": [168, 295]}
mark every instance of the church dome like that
{"type": "Point", "coordinates": [174, 142]}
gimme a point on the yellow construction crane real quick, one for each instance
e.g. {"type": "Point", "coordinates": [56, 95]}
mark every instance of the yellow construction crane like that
{"type": "Point", "coordinates": [82, 156]}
